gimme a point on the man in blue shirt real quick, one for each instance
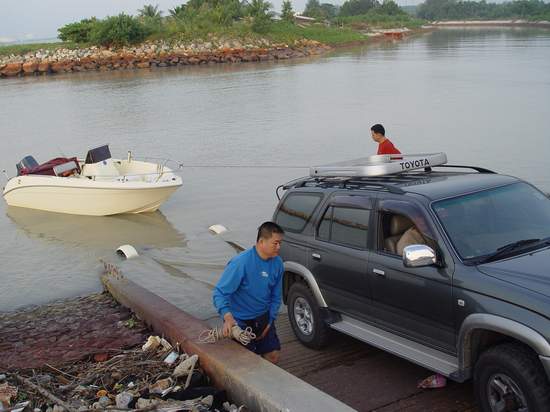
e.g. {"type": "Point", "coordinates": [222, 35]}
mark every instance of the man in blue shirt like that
{"type": "Point", "coordinates": [249, 291]}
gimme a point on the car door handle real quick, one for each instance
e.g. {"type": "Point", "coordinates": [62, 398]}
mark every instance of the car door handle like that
{"type": "Point", "coordinates": [316, 256]}
{"type": "Point", "coordinates": [379, 272]}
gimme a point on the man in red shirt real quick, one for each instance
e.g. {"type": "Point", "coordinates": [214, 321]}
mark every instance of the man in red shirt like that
{"type": "Point", "coordinates": [385, 146]}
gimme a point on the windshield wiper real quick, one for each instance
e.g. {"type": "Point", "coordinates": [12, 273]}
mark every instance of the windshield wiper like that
{"type": "Point", "coordinates": [510, 247]}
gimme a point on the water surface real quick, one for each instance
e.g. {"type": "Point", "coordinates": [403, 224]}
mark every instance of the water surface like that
{"type": "Point", "coordinates": [481, 95]}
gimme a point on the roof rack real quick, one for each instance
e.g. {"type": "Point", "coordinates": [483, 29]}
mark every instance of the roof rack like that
{"type": "Point", "coordinates": [476, 168]}
{"type": "Point", "coordinates": [380, 165]}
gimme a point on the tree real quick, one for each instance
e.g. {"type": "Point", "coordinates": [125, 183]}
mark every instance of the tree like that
{"type": "Point", "coordinates": [313, 9]}
{"type": "Point", "coordinates": [329, 10]}
{"type": "Point", "coordinates": [260, 11]}
{"type": "Point", "coordinates": [357, 7]}
{"type": "Point", "coordinates": [287, 14]}
{"type": "Point", "coordinates": [78, 32]}
{"type": "Point", "coordinates": [177, 12]}
{"type": "Point", "coordinates": [390, 8]}
{"type": "Point", "coordinates": [150, 11]}
{"type": "Point", "coordinates": [118, 31]}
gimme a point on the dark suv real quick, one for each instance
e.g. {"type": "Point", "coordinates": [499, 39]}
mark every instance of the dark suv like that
{"type": "Point", "coordinates": [448, 268]}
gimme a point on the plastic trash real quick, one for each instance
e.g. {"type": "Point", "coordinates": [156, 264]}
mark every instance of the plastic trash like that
{"type": "Point", "coordinates": [433, 381]}
{"type": "Point", "coordinates": [152, 343]}
{"type": "Point", "coordinates": [165, 344]}
{"type": "Point", "coordinates": [171, 358]}
{"type": "Point", "coordinates": [186, 368]}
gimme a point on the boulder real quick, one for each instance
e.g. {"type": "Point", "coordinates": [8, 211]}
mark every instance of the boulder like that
{"type": "Point", "coordinates": [11, 69]}
{"type": "Point", "coordinates": [44, 67]}
{"type": "Point", "coordinates": [30, 66]}
{"type": "Point", "coordinates": [142, 65]}
{"type": "Point", "coordinates": [60, 67]}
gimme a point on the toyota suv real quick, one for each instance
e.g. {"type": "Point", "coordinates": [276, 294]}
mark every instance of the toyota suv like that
{"type": "Point", "coordinates": [448, 268]}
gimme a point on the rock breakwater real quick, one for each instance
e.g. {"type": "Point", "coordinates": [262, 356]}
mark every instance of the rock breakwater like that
{"type": "Point", "coordinates": [153, 54]}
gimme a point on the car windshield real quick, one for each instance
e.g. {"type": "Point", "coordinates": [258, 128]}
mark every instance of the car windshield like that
{"type": "Point", "coordinates": [479, 224]}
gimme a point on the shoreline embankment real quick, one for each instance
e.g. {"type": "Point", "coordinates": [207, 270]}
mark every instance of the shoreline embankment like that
{"type": "Point", "coordinates": [152, 54]}
{"type": "Point", "coordinates": [491, 23]}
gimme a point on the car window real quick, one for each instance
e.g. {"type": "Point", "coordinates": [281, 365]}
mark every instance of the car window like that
{"type": "Point", "coordinates": [480, 223]}
{"type": "Point", "coordinates": [402, 224]}
{"type": "Point", "coordinates": [323, 232]}
{"type": "Point", "coordinates": [345, 226]}
{"type": "Point", "coordinates": [296, 211]}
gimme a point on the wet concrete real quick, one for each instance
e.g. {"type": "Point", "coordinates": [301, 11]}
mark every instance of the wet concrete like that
{"type": "Point", "coordinates": [367, 378]}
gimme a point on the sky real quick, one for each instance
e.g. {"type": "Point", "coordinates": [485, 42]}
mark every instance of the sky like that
{"type": "Point", "coordinates": [22, 20]}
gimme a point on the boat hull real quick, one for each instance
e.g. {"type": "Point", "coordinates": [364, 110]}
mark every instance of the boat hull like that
{"type": "Point", "coordinates": [87, 197]}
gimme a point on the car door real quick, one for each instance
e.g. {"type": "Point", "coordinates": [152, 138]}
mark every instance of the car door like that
{"type": "Point", "coordinates": [339, 253]}
{"type": "Point", "coordinates": [417, 302]}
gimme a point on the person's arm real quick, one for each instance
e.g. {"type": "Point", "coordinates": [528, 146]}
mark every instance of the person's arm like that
{"type": "Point", "coordinates": [229, 282]}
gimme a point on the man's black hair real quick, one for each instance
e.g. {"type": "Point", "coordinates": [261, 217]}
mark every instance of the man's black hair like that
{"type": "Point", "coordinates": [266, 230]}
{"type": "Point", "coordinates": [378, 128]}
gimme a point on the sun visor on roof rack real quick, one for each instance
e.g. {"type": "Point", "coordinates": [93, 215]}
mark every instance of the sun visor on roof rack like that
{"type": "Point", "coordinates": [380, 165]}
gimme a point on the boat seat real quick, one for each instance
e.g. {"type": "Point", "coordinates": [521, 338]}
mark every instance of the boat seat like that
{"type": "Point", "coordinates": [398, 226]}
{"type": "Point", "coordinates": [105, 169]}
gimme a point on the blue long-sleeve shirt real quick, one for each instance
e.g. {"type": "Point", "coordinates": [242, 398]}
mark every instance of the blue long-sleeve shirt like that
{"type": "Point", "coordinates": [250, 286]}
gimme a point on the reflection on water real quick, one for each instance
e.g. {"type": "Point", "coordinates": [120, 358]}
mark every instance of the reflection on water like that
{"type": "Point", "coordinates": [106, 232]}
{"type": "Point", "coordinates": [482, 95]}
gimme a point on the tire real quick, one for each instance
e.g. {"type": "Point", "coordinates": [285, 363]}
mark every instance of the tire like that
{"type": "Point", "coordinates": [305, 317]}
{"type": "Point", "coordinates": [509, 377]}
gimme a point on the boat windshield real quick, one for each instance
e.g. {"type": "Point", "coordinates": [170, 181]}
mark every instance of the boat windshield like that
{"type": "Point", "coordinates": [98, 154]}
{"type": "Point", "coordinates": [483, 223]}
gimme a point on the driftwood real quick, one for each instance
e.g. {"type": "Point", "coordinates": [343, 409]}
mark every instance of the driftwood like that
{"type": "Point", "coordinates": [45, 393]}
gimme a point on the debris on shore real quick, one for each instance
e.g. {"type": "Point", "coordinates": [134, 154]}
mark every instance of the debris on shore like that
{"type": "Point", "coordinates": [151, 375]}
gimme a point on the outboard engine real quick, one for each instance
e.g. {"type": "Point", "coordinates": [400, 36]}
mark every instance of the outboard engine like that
{"type": "Point", "coordinates": [28, 162]}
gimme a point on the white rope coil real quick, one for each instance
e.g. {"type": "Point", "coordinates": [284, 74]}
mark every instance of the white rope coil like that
{"type": "Point", "coordinates": [244, 337]}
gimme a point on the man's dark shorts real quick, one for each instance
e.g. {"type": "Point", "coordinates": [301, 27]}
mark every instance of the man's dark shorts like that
{"type": "Point", "coordinates": [269, 343]}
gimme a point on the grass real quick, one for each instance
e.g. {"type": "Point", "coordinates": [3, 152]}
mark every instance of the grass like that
{"type": "Point", "coordinates": [288, 33]}
{"type": "Point", "coordinates": [20, 49]}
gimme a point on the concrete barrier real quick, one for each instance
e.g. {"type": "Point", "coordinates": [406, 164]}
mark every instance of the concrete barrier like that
{"type": "Point", "coordinates": [247, 378]}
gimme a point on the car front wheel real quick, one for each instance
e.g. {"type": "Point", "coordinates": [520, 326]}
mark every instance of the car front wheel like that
{"type": "Point", "coordinates": [305, 317]}
{"type": "Point", "coordinates": [509, 377]}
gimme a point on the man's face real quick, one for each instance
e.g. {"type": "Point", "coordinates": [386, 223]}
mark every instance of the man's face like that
{"type": "Point", "coordinates": [271, 247]}
{"type": "Point", "coordinates": [374, 136]}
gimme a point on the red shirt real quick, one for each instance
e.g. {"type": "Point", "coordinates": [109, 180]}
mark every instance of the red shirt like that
{"type": "Point", "coordinates": [387, 147]}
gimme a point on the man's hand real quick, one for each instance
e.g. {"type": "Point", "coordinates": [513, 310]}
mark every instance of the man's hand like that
{"type": "Point", "coordinates": [228, 323]}
{"type": "Point", "coordinates": [264, 333]}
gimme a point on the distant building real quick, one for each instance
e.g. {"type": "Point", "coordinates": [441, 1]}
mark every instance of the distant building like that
{"type": "Point", "coordinates": [298, 18]}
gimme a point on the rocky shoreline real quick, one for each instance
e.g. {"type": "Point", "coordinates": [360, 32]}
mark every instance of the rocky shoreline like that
{"type": "Point", "coordinates": [153, 54]}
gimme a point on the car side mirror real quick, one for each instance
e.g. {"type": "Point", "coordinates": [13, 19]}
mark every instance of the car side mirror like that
{"type": "Point", "coordinates": [415, 256]}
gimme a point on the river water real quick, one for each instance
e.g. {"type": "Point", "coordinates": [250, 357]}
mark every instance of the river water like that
{"type": "Point", "coordinates": [480, 95]}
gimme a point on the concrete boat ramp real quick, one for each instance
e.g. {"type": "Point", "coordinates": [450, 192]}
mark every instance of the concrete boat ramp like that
{"type": "Point", "coordinates": [347, 375]}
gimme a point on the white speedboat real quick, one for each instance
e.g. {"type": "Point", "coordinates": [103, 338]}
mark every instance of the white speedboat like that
{"type": "Point", "coordinates": [96, 186]}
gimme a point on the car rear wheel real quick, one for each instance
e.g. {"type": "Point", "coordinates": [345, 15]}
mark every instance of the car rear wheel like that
{"type": "Point", "coordinates": [305, 317]}
{"type": "Point", "coordinates": [509, 377]}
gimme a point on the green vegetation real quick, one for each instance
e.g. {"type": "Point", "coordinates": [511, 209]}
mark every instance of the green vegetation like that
{"type": "Point", "coordinates": [20, 49]}
{"type": "Point", "coordinates": [360, 14]}
{"type": "Point", "coordinates": [288, 33]}
{"type": "Point", "coordinates": [229, 19]}
{"type": "Point", "coordinates": [471, 10]}
{"type": "Point", "coordinates": [287, 14]}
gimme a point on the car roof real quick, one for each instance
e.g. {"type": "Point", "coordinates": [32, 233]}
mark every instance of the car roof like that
{"type": "Point", "coordinates": [433, 185]}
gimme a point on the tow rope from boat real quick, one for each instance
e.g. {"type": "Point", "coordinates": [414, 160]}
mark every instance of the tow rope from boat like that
{"type": "Point", "coordinates": [214, 335]}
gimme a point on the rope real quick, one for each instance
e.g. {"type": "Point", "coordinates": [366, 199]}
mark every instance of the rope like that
{"type": "Point", "coordinates": [214, 335]}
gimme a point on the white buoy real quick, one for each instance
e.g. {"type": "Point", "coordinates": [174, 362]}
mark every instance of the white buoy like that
{"type": "Point", "coordinates": [128, 251]}
{"type": "Point", "coordinates": [218, 229]}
